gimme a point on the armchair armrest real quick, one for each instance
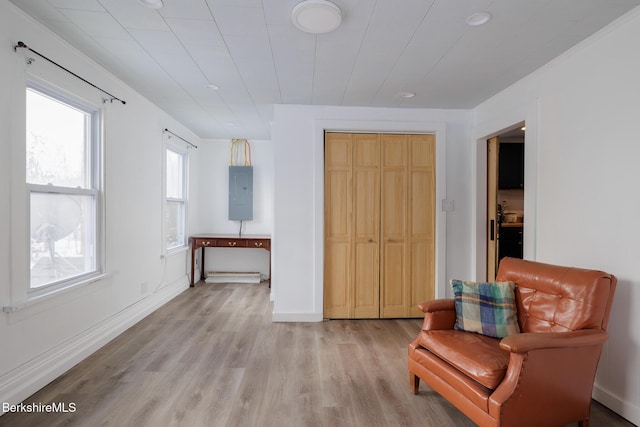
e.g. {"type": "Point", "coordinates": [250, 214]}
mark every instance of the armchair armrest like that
{"type": "Point", "coordinates": [438, 314]}
{"type": "Point", "coordinates": [525, 342]}
{"type": "Point", "coordinates": [549, 365]}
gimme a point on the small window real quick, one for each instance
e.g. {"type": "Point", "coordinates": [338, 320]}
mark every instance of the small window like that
{"type": "Point", "coordinates": [175, 199]}
{"type": "Point", "coordinates": [62, 180]}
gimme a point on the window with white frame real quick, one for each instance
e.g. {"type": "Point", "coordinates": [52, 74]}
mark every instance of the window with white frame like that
{"type": "Point", "coordinates": [62, 177]}
{"type": "Point", "coordinates": [175, 206]}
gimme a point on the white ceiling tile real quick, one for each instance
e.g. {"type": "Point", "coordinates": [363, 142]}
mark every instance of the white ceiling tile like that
{"type": "Point", "coordinates": [96, 24]}
{"type": "Point", "coordinates": [136, 18]}
{"type": "Point", "coordinates": [238, 20]}
{"type": "Point", "coordinates": [41, 10]}
{"type": "Point", "coordinates": [185, 9]}
{"type": "Point", "coordinates": [158, 42]}
{"type": "Point", "coordinates": [196, 32]}
{"type": "Point", "coordinates": [92, 5]}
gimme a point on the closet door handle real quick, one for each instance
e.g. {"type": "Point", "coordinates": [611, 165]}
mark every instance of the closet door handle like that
{"type": "Point", "coordinates": [493, 229]}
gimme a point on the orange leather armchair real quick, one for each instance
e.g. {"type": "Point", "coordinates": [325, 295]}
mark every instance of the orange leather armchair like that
{"type": "Point", "coordinates": [542, 376]}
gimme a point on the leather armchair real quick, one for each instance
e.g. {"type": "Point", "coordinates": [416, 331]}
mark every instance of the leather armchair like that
{"type": "Point", "coordinates": [542, 376]}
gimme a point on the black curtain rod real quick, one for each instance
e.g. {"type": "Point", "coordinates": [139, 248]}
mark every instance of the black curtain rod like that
{"type": "Point", "coordinates": [178, 136]}
{"type": "Point", "coordinates": [24, 46]}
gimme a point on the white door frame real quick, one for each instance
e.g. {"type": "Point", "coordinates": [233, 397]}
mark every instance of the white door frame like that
{"type": "Point", "coordinates": [378, 126]}
{"type": "Point", "coordinates": [482, 131]}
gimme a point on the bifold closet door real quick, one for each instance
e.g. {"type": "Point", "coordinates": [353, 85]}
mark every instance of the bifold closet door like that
{"type": "Point", "coordinates": [352, 205]}
{"type": "Point", "coordinates": [407, 266]}
{"type": "Point", "coordinates": [379, 224]}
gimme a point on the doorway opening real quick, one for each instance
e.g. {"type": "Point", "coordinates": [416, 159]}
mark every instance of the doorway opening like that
{"type": "Point", "coordinates": [505, 197]}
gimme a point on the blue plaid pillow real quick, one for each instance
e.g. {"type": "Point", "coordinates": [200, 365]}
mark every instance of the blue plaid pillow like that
{"type": "Point", "coordinates": [485, 308]}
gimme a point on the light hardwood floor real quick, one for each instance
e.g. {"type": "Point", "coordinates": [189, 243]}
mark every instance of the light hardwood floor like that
{"type": "Point", "coordinates": [212, 357]}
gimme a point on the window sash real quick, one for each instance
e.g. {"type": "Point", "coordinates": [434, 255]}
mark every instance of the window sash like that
{"type": "Point", "coordinates": [63, 236]}
{"type": "Point", "coordinates": [78, 255]}
{"type": "Point", "coordinates": [175, 199]}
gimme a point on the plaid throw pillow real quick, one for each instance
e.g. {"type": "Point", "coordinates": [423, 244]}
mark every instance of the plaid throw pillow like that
{"type": "Point", "coordinates": [485, 308]}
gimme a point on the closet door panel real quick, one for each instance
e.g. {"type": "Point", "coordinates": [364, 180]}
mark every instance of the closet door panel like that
{"type": "Point", "coordinates": [337, 276]}
{"type": "Point", "coordinates": [338, 259]}
{"type": "Point", "coordinates": [366, 288]}
{"type": "Point", "coordinates": [422, 273]}
{"type": "Point", "coordinates": [366, 226]}
{"type": "Point", "coordinates": [393, 296]}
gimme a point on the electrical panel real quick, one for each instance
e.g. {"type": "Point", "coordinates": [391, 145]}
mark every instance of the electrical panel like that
{"type": "Point", "coordinates": [240, 193]}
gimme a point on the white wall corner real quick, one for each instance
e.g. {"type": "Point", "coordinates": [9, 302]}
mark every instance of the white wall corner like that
{"type": "Point", "coordinates": [296, 317]}
{"type": "Point", "coordinates": [624, 408]}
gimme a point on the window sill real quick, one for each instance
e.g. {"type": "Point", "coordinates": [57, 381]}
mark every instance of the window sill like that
{"type": "Point", "coordinates": [176, 250]}
{"type": "Point", "coordinates": [39, 298]}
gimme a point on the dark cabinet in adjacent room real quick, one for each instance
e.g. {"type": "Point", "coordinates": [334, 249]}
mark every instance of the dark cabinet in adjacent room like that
{"type": "Point", "coordinates": [511, 166]}
{"type": "Point", "coordinates": [510, 242]}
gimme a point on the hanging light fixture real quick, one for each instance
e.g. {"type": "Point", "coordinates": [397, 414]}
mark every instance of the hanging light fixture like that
{"type": "Point", "coordinates": [316, 16]}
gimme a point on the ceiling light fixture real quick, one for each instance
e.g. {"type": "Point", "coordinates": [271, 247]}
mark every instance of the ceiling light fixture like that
{"type": "Point", "coordinates": [406, 95]}
{"type": "Point", "coordinates": [316, 16]}
{"type": "Point", "coordinates": [478, 19]}
{"type": "Point", "coordinates": [212, 86]}
{"type": "Point", "coordinates": [152, 4]}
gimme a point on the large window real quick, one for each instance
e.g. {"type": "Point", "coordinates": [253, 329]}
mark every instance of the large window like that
{"type": "Point", "coordinates": [64, 187]}
{"type": "Point", "coordinates": [175, 199]}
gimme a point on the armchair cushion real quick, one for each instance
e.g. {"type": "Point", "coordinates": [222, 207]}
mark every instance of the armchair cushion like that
{"type": "Point", "coordinates": [477, 356]}
{"type": "Point", "coordinates": [485, 308]}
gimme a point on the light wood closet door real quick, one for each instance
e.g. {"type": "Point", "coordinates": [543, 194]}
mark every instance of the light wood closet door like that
{"type": "Point", "coordinates": [352, 204]}
{"type": "Point", "coordinates": [421, 208]}
{"type": "Point", "coordinates": [379, 224]}
{"type": "Point", "coordinates": [407, 267]}
{"type": "Point", "coordinates": [337, 226]}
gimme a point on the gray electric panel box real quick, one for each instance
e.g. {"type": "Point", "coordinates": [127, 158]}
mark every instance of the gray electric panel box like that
{"type": "Point", "coordinates": [240, 193]}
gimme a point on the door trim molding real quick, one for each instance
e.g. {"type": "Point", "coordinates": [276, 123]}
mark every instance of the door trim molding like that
{"type": "Point", "coordinates": [377, 126]}
{"type": "Point", "coordinates": [527, 112]}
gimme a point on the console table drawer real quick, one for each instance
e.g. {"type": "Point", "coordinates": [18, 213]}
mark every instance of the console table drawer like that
{"type": "Point", "coordinates": [259, 243]}
{"type": "Point", "coordinates": [232, 243]}
{"type": "Point", "coordinates": [204, 243]}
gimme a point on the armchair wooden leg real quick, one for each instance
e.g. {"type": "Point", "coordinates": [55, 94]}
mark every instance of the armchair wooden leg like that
{"type": "Point", "coordinates": [583, 423]}
{"type": "Point", "coordinates": [414, 381]}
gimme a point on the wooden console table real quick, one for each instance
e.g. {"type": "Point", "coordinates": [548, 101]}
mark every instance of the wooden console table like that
{"type": "Point", "coordinates": [221, 241]}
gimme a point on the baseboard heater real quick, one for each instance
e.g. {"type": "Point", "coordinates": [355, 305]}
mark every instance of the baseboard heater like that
{"type": "Point", "coordinates": [232, 277]}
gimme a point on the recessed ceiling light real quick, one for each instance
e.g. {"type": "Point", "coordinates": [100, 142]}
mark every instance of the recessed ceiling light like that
{"type": "Point", "coordinates": [406, 94]}
{"type": "Point", "coordinates": [316, 16]}
{"type": "Point", "coordinates": [479, 18]}
{"type": "Point", "coordinates": [152, 4]}
{"type": "Point", "coordinates": [212, 86]}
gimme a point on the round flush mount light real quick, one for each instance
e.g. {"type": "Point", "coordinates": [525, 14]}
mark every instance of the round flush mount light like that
{"type": "Point", "coordinates": [152, 4]}
{"type": "Point", "coordinates": [316, 16]}
{"type": "Point", "coordinates": [479, 18]}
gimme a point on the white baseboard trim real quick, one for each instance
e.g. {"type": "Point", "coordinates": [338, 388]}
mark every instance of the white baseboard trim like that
{"type": "Point", "coordinates": [22, 382]}
{"type": "Point", "coordinates": [626, 409]}
{"type": "Point", "coordinates": [296, 317]}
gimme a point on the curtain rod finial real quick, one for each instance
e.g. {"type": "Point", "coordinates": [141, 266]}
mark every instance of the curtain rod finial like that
{"type": "Point", "coordinates": [20, 44]}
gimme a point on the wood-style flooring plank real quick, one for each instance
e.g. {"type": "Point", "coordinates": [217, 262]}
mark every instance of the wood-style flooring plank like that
{"type": "Point", "coordinates": [212, 358]}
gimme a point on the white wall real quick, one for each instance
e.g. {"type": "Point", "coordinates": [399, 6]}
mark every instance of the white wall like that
{"type": "Point", "coordinates": [584, 112]}
{"type": "Point", "coordinates": [297, 136]}
{"type": "Point", "coordinates": [213, 203]}
{"type": "Point", "coordinates": [41, 340]}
